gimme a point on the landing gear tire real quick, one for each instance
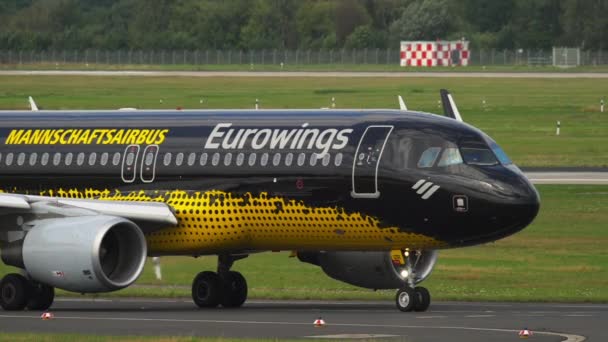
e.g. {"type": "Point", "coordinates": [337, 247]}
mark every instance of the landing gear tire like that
{"type": "Point", "coordinates": [234, 290]}
{"type": "Point", "coordinates": [41, 297]}
{"type": "Point", "coordinates": [14, 292]}
{"type": "Point", "coordinates": [423, 299]}
{"type": "Point", "coordinates": [405, 299]}
{"type": "Point", "coordinates": [206, 290]}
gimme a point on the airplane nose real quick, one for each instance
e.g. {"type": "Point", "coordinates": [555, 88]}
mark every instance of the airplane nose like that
{"type": "Point", "coordinates": [530, 202]}
{"type": "Point", "coordinates": [523, 206]}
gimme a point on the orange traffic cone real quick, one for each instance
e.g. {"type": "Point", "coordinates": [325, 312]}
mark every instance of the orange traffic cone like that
{"type": "Point", "coordinates": [319, 322]}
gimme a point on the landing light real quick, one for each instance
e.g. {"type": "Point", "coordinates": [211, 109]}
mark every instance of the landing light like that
{"type": "Point", "coordinates": [404, 274]}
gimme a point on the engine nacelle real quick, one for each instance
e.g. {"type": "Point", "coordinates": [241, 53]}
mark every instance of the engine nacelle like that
{"type": "Point", "coordinates": [372, 270]}
{"type": "Point", "coordinates": [82, 254]}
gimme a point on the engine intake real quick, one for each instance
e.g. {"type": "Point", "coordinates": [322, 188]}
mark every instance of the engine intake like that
{"type": "Point", "coordinates": [82, 254]}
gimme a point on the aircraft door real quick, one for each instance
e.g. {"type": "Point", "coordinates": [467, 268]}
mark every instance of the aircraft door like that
{"type": "Point", "coordinates": [129, 164]}
{"type": "Point", "coordinates": [367, 160]}
{"type": "Point", "coordinates": [148, 163]}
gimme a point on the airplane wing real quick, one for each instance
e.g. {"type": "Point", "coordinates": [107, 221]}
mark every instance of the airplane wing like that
{"type": "Point", "coordinates": [449, 106]}
{"type": "Point", "coordinates": [149, 216]}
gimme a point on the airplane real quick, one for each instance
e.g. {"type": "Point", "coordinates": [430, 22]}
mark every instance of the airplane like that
{"type": "Point", "coordinates": [369, 196]}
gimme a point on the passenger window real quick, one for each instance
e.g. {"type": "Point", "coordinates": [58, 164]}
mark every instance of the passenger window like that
{"type": "Point", "coordinates": [240, 158]}
{"type": "Point", "coordinates": [276, 160]}
{"type": "Point", "coordinates": [203, 159]}
{"type": "Point", "coordinates": [0, 157]}
{"type": "Point", "coordinates": [104, 158]}
{"type": "Point", "coordinates": [252, 158]}
{"type": "Point", "coordinates": [216, 159]}
{"type": "Point", "coordinates": [80, 159]}
{"type": "Point", "coordinates": [326, 159]}
{"type": "Point", "coordinates": [9, 159]}
{"type": "Point", "coordinates": [167, 159]}
{"type": "Point", "coordinates": [313, 159]}
{"type": "Point", "coordinates": [56, 158]}
{"type": "Point", "coordinates": [428, 157]}
{"type": "Point", "coordinates": [228, 159]}
{"type": "Point", "coordinates": [33, 158]}
{"type": "Point", "coordinates": [92, 158]}
{"type": "Point", "coordinates": [21, 159]}
{"type": "Point", "coordinates": [450, 156]}
{"type": "Point", "coordinates": [301, 159]}
{"type": "Point", "coordinates": [179, 159]}
{"type": "Point", "coordinates": [191, 159]}
{"type": "Point", "coordinates": [338, 159]}
{"type": "Point", "coordinates": [68, 159]}
{"type": "Point", "coordinates": [289, 159]}
{"type": "Point", "coordinates": [478, 156]}
{"type": "Point", "coordinates": [130, 159]}
{"type": "Point", "coordinates": [44, 160]}
{"type": "Point", "coordinates": [116, 159]}
{"type": "Point", "coordinates": [149, 159]}
{"type": "Point", "coordinates": [264, 160]}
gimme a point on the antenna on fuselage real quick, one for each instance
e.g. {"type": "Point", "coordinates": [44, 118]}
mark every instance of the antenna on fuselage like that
{"type": "Point", "coordinates": [33, 104]}
{"type": "Point", "coordinates": [402, 105]}
{"type": "Point", "coordinates": [449, 106]}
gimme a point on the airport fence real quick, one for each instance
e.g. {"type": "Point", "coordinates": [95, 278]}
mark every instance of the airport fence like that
{"type": "Point", "coordinates": [278, 58]}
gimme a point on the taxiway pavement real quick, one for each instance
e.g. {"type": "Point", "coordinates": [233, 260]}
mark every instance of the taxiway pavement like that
{"type": "Point", "coordinates": [445, 321]}
{"type": "Point", "coordinates": [567, 177]}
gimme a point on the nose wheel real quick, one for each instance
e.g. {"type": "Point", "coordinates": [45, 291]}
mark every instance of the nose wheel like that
{"type": "Point", "coordinates": [413, 299]}
{"type": "Point", "coordinates": [226, 288]}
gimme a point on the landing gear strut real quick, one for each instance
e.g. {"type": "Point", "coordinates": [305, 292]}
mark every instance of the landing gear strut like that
{"type": "Point", "coordinates": [17, 292]}
{"type": "Point", "coordinates": [228, 288]}
{"type": "Point", "coordinates": [412, 298]}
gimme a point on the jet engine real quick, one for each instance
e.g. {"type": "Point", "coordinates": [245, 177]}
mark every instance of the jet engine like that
{"type": "Point", "coordinates": [82, 254]}
{"type": "Point", "coordinates": [373, 270]}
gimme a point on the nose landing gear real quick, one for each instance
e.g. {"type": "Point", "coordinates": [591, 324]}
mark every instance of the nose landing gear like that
{"type": "Point", "coordinates": [412, 298]}
{"type": "Point", "coordinates": [226, 288]}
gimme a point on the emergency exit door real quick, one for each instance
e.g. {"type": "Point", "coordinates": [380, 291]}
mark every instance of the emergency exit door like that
{"type": "Point", "coordinates": [367, 160]}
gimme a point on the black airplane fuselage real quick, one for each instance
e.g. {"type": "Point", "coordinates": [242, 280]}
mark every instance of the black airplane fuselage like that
{"type": "Point", "coordinates": [279, 179]}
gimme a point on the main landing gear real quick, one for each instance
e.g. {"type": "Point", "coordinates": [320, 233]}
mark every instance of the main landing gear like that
{"type": "Point", "coordinates": [17, 293]}
{"type": "Point", "coordinates": [226, 288]}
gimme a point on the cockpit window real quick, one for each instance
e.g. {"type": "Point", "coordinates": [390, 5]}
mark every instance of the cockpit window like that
{"type": "Point", "coordinates": [478, 156]}
{"type": "Point", "coordinates": [428, 157]}
{"type": "Point", "coordinates": [500, 154]}
{"type": "Point", "coordinates": [450, 156]}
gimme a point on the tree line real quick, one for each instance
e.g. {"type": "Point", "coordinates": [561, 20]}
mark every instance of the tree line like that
{"type": "Point", "coordinates": [299, 24]}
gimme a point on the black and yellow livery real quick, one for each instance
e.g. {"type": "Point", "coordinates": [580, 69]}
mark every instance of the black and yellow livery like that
{"type": "Point", "coordinates": [369, 196]}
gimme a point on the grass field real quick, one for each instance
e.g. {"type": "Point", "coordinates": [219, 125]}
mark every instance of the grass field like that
{"type": "Point", "coordinates": [521, 114]}
{"type": "Point", "coordinates": [298, 67]}
{"type": "Point", "coordinates": [562, 256]}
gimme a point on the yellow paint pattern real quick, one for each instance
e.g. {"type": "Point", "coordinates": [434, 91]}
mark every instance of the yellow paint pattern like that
{"type": "Point", "coordinates": [215, 221]}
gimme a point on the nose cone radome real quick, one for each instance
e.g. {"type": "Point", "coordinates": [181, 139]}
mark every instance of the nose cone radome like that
{"type": "Point", "coordinates": [530, 202]}
{"type": "Point", "coordinates": [520, 207]}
